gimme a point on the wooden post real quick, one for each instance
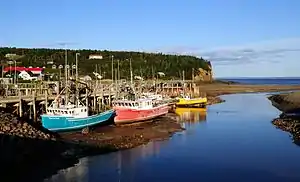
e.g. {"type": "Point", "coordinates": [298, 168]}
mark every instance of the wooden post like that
{"type": "Point", "coordinates": [20, 104]}
{"type": "Point", "coordinates": [86, 98]}
{"type": "Point", "coordinates": [191, 89]}
{"type": "Point", "coordinates": [94, 103]}
{"type": "Point", "coordinates": [172, 88]}
{"type": "Point", "coordinates": [34, 106]}
{"type": "Point", "coordinates": [109, 97]}
{"type": "Point", "coordinates": [6, 91]}
{"type": "Point", "coordinates": [46, 100]}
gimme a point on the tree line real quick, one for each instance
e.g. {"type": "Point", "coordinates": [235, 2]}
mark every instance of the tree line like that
{"type": "Point", "coordinates": [143, 64]}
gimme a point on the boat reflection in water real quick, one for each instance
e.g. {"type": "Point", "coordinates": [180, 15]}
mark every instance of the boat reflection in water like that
{"type": "Point", "coordinates": [188, 116]}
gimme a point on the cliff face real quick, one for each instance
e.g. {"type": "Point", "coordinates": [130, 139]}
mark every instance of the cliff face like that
{"type": "Point", "coordinates": [204, 75]}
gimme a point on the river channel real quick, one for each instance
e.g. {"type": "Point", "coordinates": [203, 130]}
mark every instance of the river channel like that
{"type": "Point", "coordinates": [232, 141]}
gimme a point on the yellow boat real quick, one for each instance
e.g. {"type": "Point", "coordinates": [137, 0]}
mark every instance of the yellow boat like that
{"type": "Point", "coordinates": [187, 102]}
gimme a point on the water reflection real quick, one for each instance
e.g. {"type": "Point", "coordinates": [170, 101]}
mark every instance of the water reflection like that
{"type": "Point", "coordinates": [190, 116]}
{"type": "Point", "coordinates": [118, 166]}
{"type": "Point", "coordinates": [77, 173]}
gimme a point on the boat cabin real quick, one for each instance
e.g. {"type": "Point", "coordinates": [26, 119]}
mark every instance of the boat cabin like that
{"type": "Point", "coordinates": [68, 111]}
{"type": "Point", "coordinates": [138, 104]}
{"type": "Point", "coordinates": [152, 96]}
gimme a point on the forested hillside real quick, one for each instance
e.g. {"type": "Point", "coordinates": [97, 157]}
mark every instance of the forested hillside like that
{"type": "Point", "coordinates": [143, 64]}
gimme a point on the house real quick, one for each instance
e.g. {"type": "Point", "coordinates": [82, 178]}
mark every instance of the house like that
{"type": "Point", "coordinates": [25, 73]}
{"type": "Point", "coordinates": [95, 56]}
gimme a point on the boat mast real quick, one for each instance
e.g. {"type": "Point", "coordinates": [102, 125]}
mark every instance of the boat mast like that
{"type": "Point", "coordinates": [66, 77]}
{"type": "Point", "coordinates": [131, 78]}
{"type": "Point", "coordinates": [76, 80]}
{"type": "Point", "coordinates": [131, 74]}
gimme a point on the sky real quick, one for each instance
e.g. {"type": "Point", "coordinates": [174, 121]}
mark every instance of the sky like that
{"type": "Point", "coordinates": [242, 38]}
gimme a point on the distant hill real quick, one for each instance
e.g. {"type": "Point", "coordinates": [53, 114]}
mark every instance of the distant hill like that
{"type": "Point", "coordinates": [143, 64]}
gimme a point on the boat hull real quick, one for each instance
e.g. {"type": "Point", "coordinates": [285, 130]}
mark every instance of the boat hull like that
{"type": "Point", "coordinates": [61, 123]}
{"type": "Point", "coordinates": [192, 103]}
{"type": "Point", "coordinates": [127, 116]}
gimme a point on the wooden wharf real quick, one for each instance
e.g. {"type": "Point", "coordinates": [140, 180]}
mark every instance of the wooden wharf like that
{"type": "Point", "coordinates": [101, 94]}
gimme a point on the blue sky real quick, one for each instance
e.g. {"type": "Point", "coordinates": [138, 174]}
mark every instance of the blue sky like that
{"type": "Point", "coordinates": [242, 38]}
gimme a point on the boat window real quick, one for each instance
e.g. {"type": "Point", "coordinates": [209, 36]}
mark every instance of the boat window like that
{"type": "Point", "coordinates": [84, 110]}
{"type": "Point", "coordinates": [66, 112]}
{"type": "Point", "coordinates": [70, 112]}
{"type": "Point", "coordinates": [81, 110]}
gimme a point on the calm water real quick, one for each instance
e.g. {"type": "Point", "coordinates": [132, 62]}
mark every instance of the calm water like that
{"type": "Point", "coordinates": [232, 141]}
{"type": "Point", "coordinates": [285, 81]}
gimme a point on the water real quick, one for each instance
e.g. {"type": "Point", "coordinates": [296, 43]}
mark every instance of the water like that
{"type": "Point", "coordinates": [232, 141]}
{"type": "Point", "coordinates": [259, 81]}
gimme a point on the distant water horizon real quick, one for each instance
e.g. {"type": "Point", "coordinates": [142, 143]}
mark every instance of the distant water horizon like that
{"type": "Point", "coordinates": [264, 80]}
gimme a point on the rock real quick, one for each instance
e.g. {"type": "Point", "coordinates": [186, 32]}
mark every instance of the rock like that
{"type": "Point", "coordinates": [85, 130]}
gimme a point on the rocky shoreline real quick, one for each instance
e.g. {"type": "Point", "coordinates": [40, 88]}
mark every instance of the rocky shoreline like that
{"type": "Point", "coordinates": [289, 125]}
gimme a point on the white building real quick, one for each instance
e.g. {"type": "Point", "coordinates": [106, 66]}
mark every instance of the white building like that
{"type": "Point", "coordinates": [95, 56]}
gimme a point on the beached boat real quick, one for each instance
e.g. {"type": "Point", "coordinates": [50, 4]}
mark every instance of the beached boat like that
{"type": "Point", "coordinates": [138, 110]}
{"type": "Point", "coordinates": [187, 101]}
{"type": "Point", "coordinates": [64, 115]}
{"type": "Point", "coordinates": [72, 117]}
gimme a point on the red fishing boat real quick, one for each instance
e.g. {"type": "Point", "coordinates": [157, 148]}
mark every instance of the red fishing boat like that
{"type": "Point", "coordinates": [130, 111]}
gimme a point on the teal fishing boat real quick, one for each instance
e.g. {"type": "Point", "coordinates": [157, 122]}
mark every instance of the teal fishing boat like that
{"type": "Point", "coordinates": [64, 115]}
{"type": "Point", "coordinates": [72, 118]}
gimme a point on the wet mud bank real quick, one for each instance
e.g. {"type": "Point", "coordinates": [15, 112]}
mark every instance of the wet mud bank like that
{"type": "Point", "coordinates": [214, 100]}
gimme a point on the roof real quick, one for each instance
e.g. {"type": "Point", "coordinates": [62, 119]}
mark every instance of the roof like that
{"type": "Point", "coordinates": [22, 69]}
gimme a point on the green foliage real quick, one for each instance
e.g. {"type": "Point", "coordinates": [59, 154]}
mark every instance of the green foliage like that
{"type": "Point", "coordinates": [143, 64]}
